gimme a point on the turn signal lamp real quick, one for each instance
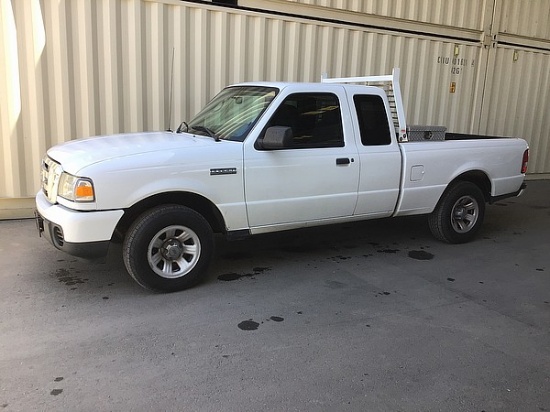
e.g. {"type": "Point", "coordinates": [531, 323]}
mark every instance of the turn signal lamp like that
{"type": "Point", "coordinates": [76, 189]}
{"type": "Point", "coordinates": [84, 190]}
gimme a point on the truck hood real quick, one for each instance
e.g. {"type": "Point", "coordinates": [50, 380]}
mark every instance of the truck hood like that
{"type": "Point", "coordinates": [77, 154]}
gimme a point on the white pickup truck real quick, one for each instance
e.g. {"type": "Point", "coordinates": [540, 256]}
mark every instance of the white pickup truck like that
{"type": "Point", "coordinates": [265, 157]}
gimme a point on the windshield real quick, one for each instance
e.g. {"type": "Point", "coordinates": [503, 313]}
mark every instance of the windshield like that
{"type": "Point", "coordinates": [233, 112]}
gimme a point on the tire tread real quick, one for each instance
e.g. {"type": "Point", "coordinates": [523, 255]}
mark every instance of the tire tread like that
{"type": "Point", "coordinates": [439, 219]}
{"type": "Point", "coordinates": [145, 277]}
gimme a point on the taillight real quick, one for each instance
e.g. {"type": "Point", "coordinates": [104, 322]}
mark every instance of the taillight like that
{"type": "Point", "coordinates": [524, 162]}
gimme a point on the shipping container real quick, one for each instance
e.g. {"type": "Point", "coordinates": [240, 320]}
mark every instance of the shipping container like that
{"type": "Point", "coordinates": [76, 69]}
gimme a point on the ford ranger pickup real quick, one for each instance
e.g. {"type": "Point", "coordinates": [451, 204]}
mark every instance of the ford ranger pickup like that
{"type": "Point", "coordinates": [264, 157]}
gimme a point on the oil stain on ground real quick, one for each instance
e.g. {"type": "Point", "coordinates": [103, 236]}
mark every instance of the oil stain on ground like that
{"type": "Point", "coordinates": [56, 392]}
{"type": "Point", "coordinates": [64, 276]}
{"type": "Point", "coordinates": [339, 258]}
{"type": "Point", "coordinates": [228, 277]}
{"type": "Point", "coordinates": [388, 251]}
{"type": "Point", "coordinates": [248, 325]}
{"type": "Point", "coordinates": [420, 255]}
{"type": "Point", "coordinates": [253, 325]}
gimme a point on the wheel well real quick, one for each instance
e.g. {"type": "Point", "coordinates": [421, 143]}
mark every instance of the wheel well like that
{"type": "Point", "coordinates": [191, 200]}
{"type": "Point", "coordinates": [477, 177]}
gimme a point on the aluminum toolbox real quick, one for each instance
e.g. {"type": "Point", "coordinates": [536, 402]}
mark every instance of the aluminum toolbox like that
{"type": "Point", "coordinates": [418, 133]}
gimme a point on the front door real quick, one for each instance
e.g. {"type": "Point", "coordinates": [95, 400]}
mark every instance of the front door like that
{"type": "Point", "coordinates": [316, 176]}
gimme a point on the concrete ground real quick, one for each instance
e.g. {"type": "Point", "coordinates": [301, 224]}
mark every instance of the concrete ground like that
{"type": "Point", "coordinates": [372, 316]}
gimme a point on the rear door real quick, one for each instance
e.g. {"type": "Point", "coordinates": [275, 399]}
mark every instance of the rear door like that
{"type": "Point", "coordinates": [379, 153]}
{"type": "Point", "coordinates": [316, 177]}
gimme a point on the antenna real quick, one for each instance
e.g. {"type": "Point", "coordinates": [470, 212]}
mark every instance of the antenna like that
{"type": "Point", "coordinates": [171, 97]}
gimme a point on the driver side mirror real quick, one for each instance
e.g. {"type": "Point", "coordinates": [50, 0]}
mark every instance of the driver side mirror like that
{"type": "Point", "coordinates": [278, 137]}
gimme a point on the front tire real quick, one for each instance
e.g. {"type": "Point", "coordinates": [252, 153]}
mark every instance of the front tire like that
{"type": "Point", "coordinates": [168, 248]}
{"type": "Point", "coordinates": [459, 214]}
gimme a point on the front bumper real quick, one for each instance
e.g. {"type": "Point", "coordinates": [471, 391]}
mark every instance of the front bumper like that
{"type": "Point", "coordinates": [78, 233]}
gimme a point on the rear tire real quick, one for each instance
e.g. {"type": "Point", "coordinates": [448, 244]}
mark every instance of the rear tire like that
{"type": "Point", "coordinates": [459, 214]}
{"type": "Point", "coordinates": [168, 248]}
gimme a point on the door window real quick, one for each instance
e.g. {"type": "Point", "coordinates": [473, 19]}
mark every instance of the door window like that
{"type": "Point", "coordinates": [315, 120]}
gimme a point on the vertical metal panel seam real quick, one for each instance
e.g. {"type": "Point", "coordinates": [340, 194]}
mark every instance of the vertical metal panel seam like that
{"type": "Point", "coordinates": [9, 92]}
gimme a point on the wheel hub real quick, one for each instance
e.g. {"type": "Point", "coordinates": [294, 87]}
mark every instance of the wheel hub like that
{"type": "Point", "coordinates": [464, 214]}
{"type": "Point", "coordinates": [172, 249]}
{"type": "Point", "coordinates": [460, 212]}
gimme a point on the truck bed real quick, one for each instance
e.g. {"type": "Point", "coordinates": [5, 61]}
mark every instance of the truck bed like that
{"type": "Point", "coordinates": [464, 136]}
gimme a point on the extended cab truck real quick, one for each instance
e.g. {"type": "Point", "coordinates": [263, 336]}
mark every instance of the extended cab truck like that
{"type": "Point", "coordinates": [264, 157]}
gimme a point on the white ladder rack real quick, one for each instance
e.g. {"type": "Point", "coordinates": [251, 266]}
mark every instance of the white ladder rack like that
{"type": "Point", "coordinates": [390, 84]}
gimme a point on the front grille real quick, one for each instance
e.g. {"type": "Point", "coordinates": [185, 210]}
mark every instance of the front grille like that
{"type": "Point", "coordinates": [49, 176]}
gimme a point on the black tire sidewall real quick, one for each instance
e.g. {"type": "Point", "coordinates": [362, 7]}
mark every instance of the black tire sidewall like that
{"type": "Point", "coordinates": [444, 211]}
{"type": "Point", "coordinates": [145, 227]}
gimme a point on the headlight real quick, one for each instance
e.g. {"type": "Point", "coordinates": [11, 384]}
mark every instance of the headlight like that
{"type": "Point", "coordinates": [76, 189]}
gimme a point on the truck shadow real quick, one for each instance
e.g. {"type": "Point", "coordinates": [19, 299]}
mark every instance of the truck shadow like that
{"type": "Point", "coordinates": [383, 233]}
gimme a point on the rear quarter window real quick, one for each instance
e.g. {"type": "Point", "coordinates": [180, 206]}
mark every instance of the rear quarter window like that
{"type": "Point", "coordinates": [373, 120]}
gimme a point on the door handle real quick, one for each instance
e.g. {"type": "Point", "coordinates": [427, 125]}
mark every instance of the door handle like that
{"type": "Point", "coordinates": [343, 161]}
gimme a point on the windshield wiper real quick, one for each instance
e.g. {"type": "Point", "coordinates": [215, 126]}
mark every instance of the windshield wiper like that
{"type": "Point", "coordinates": [207, 130]}
{"type": "Point", "coordinates": [180, 127]}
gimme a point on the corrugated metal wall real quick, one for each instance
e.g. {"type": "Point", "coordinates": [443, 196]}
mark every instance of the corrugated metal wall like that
{"type": "Point", "coordinates": [518, 87]}
{"type": "Point", "coordinates": [518, 101]}
{"type": "Point", "coordinates": [530, 19]}
{"type": "Point", "coordinates": [466, 14]}
{"type": "Point", "coordinates": [71, 68]}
